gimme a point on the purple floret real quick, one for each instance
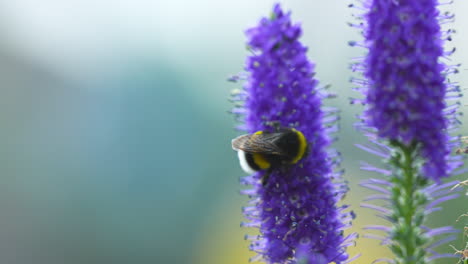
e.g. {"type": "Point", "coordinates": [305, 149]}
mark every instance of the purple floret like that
{"type": "Point", "coordinates": [406, 88]}
{"type": "Point", "coordinates": [296, 209]}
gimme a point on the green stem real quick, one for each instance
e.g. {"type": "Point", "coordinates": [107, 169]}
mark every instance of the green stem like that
{"type": "Point", "coordinates": [409, 176]}
{"type": "Point", "coordinates": [408, 206]}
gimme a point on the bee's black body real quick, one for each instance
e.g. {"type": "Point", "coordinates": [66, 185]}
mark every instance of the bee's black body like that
{"type": "Point", "coordinates": [270, 150]}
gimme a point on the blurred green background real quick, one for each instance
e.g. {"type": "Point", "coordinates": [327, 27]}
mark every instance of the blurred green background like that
{"type": "Point", "coordinates": [115, 140]}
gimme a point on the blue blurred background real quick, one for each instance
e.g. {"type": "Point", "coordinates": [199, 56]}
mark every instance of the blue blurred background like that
{"type": "Point", "coordinates": [115, 140]}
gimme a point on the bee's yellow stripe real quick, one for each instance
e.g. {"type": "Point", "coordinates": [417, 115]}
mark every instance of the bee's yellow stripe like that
{"type": "Point", "coordinates": [302, 146]}
{"type": "Point", "coordinates": [261, 161]}
{"type": "Point", "coordinates": [256, 134]}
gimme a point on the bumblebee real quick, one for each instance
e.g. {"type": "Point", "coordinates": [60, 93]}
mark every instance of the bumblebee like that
{"type": "Point", "coordinates": [267, 151]}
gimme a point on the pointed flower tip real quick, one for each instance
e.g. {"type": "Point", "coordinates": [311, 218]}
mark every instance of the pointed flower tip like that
{"type": "Point", "coordinates": [277, 12]}
{"type": "Point", "coordinates": [273, 32]}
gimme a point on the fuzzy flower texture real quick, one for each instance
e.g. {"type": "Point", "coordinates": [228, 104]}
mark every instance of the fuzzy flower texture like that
{"type": "Point", "coordinates": [296, 209]}
{"type": "Point", "coordinates": [407, 82]}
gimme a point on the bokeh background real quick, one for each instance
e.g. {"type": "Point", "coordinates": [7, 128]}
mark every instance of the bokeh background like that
{"type": "Point", "coordinates": [115, 136]}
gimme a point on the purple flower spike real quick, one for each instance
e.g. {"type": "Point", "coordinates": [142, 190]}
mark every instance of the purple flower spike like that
{"type": "Point", "coordinates": [296, 210]}
{"type": "Point", "coordinates": [406, 82]}
{"type": "Point", "coordinates": [407, 122]}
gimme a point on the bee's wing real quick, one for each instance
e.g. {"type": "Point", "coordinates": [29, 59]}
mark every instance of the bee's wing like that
{"type": "Point", "coordinates": [262, 143]}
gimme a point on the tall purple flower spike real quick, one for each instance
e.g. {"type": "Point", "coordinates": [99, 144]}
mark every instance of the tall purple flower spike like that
{"type": "Point", "coordinates": [407, 122]}
{"type": "Point", "coordinates": [405, 81]}
{"type": "Point", "coordinates": [296, 211]}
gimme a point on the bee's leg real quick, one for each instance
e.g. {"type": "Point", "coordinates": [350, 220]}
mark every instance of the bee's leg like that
{"type": "Point", "coordinates": [265, 177]}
